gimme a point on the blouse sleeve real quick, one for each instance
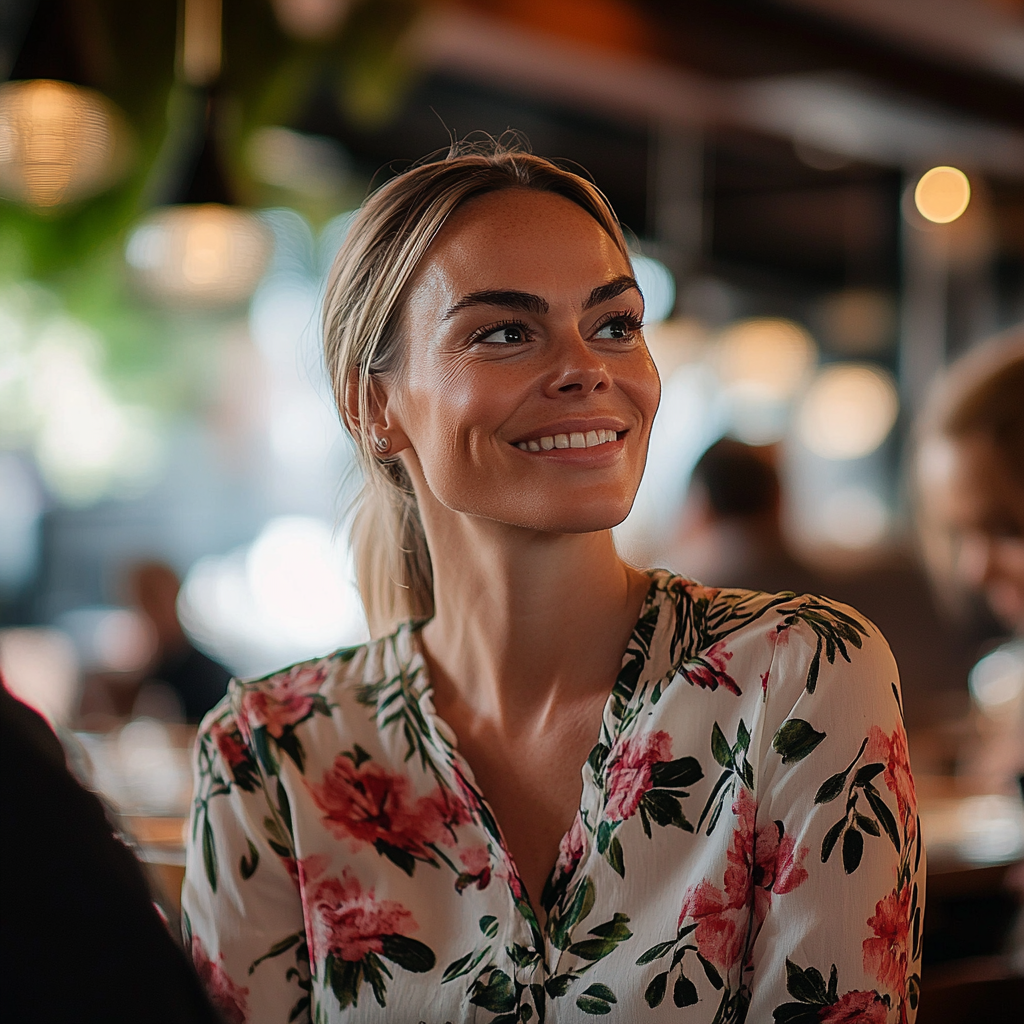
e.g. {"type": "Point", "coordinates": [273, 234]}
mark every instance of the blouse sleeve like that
{"type": "Point", "coordinates": [839, 866]}
{"type": "Point", "coordinates": [242, 913]}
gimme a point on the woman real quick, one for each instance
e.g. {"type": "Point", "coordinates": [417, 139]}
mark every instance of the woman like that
{"type": "Point", "coordinates": [556, 787]}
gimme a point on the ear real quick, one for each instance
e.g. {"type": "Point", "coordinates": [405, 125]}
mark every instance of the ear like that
{"type": "Point", "coordinates": [380, 412]}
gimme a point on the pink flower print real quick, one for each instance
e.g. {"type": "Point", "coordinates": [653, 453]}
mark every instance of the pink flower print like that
{"type": "Point", "coordinates": [855, 1008]}
{"type": "Point", "coordinates": [228, 997]}
{"type": "Point", "coordinates": [720, 930]}
{"type": "Point", "coordinates": [885, 955]}
{"type": "Point", "coordinates": [349, 923]}
{"type": "Point", "coordinates": [370, 804]}
{"type": "Point", "coordinates": [892, 752]}
{"type": "Point", "coordinates": [284, 701]}
{"type": "Point", "coordinates": [629, 772]}
{"type": "Point", "coordinates": [570, 849]}
{"type": "Point", "coordinates": [230, 746]}
{"type": "Point", "coordinates": [761, 861]}
{"type": "Point", "coordinates": [477, 862]}
{"type": "Point", "coordinates": [709, 669]}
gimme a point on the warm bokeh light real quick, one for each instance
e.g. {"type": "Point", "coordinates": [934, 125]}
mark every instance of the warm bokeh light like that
{"type": "Point", "coordinates": [209, 255]}
{"type": "Point", "coordinates": [58, 142]}
{"type": "Point", "coordinates": [765, 357]}
{"type": "Point", "coordinates": [942, 194]}
{"type": "Point", "coordinates": [848, 411]}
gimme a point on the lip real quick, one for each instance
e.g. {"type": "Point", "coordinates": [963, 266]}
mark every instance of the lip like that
{"type": "Point", "coordinates": [574, 426]}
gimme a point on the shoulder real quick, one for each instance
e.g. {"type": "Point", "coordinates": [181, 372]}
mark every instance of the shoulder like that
{"type": "Point", "coordinates": [277, 703]}
{"type": "Point", "coordinates": [803, 637]}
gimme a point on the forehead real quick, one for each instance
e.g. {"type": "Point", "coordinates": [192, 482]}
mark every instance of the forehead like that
{"type": "Point", "coordinates": [520, 239]}
{"type": "Point", "coordinates": [969, 478]}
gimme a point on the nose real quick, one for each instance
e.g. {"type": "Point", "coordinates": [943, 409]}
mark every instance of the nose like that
{"type": "Point", "coordinates": [578, 368]}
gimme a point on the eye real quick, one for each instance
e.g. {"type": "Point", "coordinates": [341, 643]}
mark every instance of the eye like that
{"type": "Point", "coordinates": [620, 328]}
{"type": "Point", "coordinates": [506, 334]}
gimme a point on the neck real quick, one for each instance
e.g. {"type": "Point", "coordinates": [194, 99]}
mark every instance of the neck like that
{"type": "Point", "coordinates": [525, 621]}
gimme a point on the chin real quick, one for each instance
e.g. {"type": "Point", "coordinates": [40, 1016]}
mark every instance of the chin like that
{"type": "Point", "coordinates": [564, 515]}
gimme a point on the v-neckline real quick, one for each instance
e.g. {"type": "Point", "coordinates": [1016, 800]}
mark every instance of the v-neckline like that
{"type": "Point", "coordinates": [442, 731]}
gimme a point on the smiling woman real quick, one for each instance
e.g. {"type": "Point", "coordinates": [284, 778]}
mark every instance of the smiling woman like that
{"type": "Point", "coordinates": [555, 786]}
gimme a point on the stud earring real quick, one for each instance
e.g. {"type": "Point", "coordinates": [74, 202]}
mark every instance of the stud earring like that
{"type": "Point", "coordinates": [383, 444]}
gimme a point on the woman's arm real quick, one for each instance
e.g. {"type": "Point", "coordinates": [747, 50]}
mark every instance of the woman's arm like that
{"type": "Point", "coordinates": [242, 913]}
{"type": "Point", "coordinates": [838, 862]}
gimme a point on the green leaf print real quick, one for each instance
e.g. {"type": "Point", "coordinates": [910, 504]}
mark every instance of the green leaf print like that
{"type": "Point", "coordinates": [596, 1000]}
{"type": "Point", "coordinates": [684, 992]}
{"type": "Point", "coordinates": [408, 953]}
{"type": "Point", "coordinates": [247, 865]}
{"type": "Point", "coordinates": [497, 994]}
{"type": "Point", "coordinates": [209, 853]}
{"type": "Point", "coordinates": [795, 740]}
{"type": "Point", "coordinates": [464, 964]}
{"type": "Point", "coordinates": [656, 990]}
{"type": "Point", "coordinates": [489, 925]}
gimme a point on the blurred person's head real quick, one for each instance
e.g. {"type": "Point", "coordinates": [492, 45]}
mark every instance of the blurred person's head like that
{"type": "Point", "coordinates": [153, 589]}
{"type": "Point", "coordinates": [970, 477]}
{"type": "Point", "coordinates": [481, 326]}
{"type": "Point", "coordinates": [734, 481]}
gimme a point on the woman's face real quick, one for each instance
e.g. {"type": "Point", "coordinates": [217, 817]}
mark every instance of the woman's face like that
{"type": "Point", "coordinates": [526, 393]}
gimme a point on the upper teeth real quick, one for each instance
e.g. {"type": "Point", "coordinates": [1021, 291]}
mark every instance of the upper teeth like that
{"type": "Point", "coordinates": [573, 440]}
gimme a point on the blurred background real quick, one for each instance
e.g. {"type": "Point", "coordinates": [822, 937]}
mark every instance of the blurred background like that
{"type": "Point", "coordinates": [826, 203]}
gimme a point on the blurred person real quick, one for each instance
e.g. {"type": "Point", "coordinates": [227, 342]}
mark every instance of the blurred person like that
{"type": "Point", "coordinates": [81, 939]}
{"type": "Point", "coordinates": [731, 533]}
{"type": "Point", "coordinates": [179, 676]}
{"type": "Point", "coordinates": [730, 527]}
{"type": "Point", "coordinates": [553, 786]}
{"type": "Point", "coordinates": [970, 482]}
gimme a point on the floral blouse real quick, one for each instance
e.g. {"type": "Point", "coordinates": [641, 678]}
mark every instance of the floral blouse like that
{"type": "Point", "coordinates": [747, 844]}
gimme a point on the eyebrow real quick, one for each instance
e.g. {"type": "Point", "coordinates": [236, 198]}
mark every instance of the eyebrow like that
{"type": "Point", "coordinates": [527, 302]}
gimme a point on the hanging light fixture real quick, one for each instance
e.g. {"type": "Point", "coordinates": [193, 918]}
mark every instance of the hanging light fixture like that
{"type": "Point", "coordinates": [59, 142]}
{"type": "Point", "coordinates": [199, 249]}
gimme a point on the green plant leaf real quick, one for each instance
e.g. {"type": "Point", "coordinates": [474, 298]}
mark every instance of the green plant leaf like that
{"type": "Point", "coordinates": [795, 740]}
{"type": "Point", "coordinates": [489, 925]}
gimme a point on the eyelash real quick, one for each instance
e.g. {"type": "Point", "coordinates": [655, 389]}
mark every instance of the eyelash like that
{"type": "Point", "coordinates": [633, 323]}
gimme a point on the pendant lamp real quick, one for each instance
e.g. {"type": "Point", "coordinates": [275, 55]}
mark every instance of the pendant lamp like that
{"type": "Point", "coordinates": [197, 248]}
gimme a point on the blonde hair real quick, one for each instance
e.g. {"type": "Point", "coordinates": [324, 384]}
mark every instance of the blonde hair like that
{"type": "Point", "coordinates": [366, 292]}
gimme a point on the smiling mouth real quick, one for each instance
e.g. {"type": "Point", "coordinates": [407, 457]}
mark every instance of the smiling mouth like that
{"type": "Point", "coordinates": [577, 439]}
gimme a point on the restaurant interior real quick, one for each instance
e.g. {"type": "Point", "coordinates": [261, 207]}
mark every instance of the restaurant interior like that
{"type": "Point", "coordinates": [825, 202]}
